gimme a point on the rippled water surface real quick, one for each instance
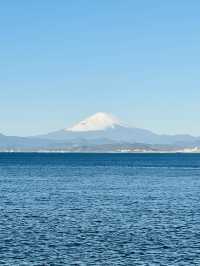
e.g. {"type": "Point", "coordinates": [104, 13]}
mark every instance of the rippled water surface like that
{"type": "Point", "coordinates": [106, 209]}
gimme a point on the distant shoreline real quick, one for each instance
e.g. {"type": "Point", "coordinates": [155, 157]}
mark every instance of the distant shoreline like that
{"type": "Point", "coordinates": [98, 152]}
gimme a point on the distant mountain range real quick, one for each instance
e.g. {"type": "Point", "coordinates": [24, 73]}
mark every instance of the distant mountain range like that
{"type": "Point", "coordinates": [100, 132]}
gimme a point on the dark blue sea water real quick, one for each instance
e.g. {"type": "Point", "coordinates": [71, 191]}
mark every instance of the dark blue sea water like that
{"type": "Point", "coordinates": [106, 209]}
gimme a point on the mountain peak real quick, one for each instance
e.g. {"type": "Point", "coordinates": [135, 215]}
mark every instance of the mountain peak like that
{"type": "Point", "coordinates": [98, 121]}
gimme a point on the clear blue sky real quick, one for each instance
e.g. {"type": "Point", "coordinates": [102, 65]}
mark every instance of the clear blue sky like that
{"type": "Point", "coordinates": [61, 61]}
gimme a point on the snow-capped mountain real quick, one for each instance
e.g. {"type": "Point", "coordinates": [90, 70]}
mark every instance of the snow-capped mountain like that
{"type": "Point", "coordinates": [101, 127]}
{"type": "Point", "coordinates": [105, 128]}
{"type": "Point", "coordinates": [96, 122]}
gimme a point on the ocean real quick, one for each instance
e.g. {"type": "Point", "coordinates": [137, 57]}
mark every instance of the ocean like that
{"type": "Point", "coordinates": [99, 209]}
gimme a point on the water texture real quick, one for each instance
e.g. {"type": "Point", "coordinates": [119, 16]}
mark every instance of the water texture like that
{"type": "Point", "coordinates": [99, 209]}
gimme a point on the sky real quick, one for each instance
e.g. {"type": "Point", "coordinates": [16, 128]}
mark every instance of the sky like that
{"type": "Point", "coordinates": [61, 61]}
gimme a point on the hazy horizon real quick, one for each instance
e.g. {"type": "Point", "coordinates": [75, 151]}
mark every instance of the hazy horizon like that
{"type": "Point", "coordinates": [75, 124]}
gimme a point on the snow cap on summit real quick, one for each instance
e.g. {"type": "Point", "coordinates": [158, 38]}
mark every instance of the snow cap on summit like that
{"type": "Point", "coordinates": [98, 121]}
